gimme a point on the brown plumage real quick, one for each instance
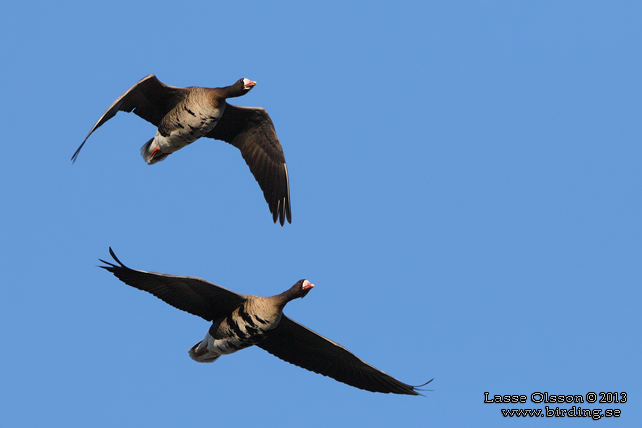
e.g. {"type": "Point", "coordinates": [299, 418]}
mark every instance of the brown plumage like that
{"type": "Point", "coordinates": [240, 320]}
{"type": "Point", "coordinates": [183, 115]}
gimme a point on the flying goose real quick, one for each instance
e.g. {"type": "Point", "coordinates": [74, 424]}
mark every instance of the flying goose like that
{"type": "Point", "coordinates": [241, 320]}
{"type": "Point", "coordinates": [183, 115]}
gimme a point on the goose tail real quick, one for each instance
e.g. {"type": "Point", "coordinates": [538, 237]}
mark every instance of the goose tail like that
{"type": "Point", "coordinates": [201, 354]}
{"type": "Point", "coordinates": [152, 153]}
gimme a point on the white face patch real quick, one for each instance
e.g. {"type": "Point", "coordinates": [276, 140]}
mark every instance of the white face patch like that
{"type": "Point", "coordinates": [248, 84]}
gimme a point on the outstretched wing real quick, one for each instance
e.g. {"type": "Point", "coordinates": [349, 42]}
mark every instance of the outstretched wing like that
{"type": "Point", "coordinates": [149, 98]}
{"type": "Point", "coordinates": [251, 130]}
{"type": "Point", "coordinates": [189, 294]}
{"type": "Point", "coordinates": [298, 345]}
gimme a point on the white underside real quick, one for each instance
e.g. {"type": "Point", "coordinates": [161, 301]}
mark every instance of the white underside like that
{"type": "Point", "coordinates": [194, 127]}
{"type": "Point", "coordinates": [209, 349]}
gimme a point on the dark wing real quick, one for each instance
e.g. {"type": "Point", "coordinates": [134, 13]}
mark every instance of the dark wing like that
{"type": "Point", "coordinates": [251, 130]}
{"type": "Point", "coordinates": [193, 295]}
{"type": "Point", "coordinates": [298, 345]}
{"type": "Point", "coordinates": [149, 98]}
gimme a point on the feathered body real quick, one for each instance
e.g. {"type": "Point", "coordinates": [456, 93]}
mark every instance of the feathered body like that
{"type": "Point", "coordinates": [183, 115]}
{"type": "Point", "coordinates": [241, 320]}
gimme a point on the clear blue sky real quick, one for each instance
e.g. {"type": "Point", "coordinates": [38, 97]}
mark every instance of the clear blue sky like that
{"type": "Point", "coordinates": [465, 183]}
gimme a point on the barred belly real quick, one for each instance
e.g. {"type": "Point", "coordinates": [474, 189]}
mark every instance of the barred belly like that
{"type": "Point", "coordinates": [186, 127]}
{"type": "Point", "coordinates": [236, 331]}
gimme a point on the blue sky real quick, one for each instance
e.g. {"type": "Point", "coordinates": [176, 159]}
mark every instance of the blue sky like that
{"type": "Point", "coordinates": [465, 184]}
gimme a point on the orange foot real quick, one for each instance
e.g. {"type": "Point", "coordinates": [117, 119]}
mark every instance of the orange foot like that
{"type": "Point", "coordinates": [155, 152]}
{"type": "Point", "coordinates": [156, 155]}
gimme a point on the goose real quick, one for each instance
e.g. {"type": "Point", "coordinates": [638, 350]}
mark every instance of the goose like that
{"type": "Point", "coordinates": [183, 115]}
{"type": "Point", "coordinates": [240, 320]}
